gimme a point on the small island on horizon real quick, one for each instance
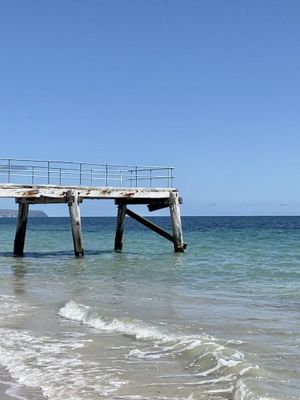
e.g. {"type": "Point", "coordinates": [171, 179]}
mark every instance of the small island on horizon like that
{"type": "Point", "coordinates": [14, 213]}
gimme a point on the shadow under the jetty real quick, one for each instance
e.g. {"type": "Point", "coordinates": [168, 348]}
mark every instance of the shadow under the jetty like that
{"type": "Point", "coordinates": [65, 253]}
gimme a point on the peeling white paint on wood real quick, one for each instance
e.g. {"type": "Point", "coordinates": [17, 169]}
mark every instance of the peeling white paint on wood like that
{"type": "Point", "coordinates": [60, 192]}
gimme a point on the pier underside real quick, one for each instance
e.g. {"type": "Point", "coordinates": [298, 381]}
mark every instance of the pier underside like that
{"type": "Point", "coordinates": [154, 198]}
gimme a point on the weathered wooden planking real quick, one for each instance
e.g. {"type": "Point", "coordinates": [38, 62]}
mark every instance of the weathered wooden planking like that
{"type": "Point", "coordinates": [45, 193]}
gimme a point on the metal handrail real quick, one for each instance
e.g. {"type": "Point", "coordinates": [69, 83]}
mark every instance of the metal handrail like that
{"type": "Point", "coordinates": [65, 173]}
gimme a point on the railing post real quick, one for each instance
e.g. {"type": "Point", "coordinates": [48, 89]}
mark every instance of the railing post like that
{"type": "Point", "coordinates": [80, 173]}
{"type": "Point", "coordinates": [151, 178]}
{"type": "Point", "coordinates": [32, 177]}
{"type": "Point", "coordinates": [106, 173]}
{"type": "Point", "coordinates": [91, 177]}
{"type": "Point", "coordinates": [8, 176]}
{"type": "Point", "coordinates": [136, 176]}
{"type": "Point", "coordinates": [171, 170]}
{"type": "Point", "coordinates": [48, 172]}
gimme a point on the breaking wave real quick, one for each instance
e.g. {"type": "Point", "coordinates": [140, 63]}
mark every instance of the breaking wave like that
{"type": "Point", "coordinates": [207, 363]}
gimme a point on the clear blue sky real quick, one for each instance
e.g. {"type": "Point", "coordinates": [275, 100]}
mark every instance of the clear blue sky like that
{"type": "Point", "coordinates": [209, 87]}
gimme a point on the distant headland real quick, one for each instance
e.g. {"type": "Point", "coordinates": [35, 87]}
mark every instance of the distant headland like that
{"type": "Point", "coordinates": [14, 213]}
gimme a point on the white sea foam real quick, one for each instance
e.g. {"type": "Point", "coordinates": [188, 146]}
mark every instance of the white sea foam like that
{"type": "Point", "coordinates": [143, 354]}
{"type": "Point", "coordinates": [54, 366]}
{"type": "Point", "coordinates": [10, 308]}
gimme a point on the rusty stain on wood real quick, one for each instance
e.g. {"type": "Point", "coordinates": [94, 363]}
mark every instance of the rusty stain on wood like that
{"type": "Point", "coordinates": [129, 194]}
{"type": "Point", "coordinates": [31, 193]}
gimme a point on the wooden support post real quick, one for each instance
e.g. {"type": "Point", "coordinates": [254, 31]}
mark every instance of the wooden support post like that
{"type": "Point", "coordinates": [179, 245]}
{"type": "Point", "coordinates": [120, 227]}
{"type": "Point", "coordinates": [21, 229]}
{"type": "Point", "coordinates": [73, 203]}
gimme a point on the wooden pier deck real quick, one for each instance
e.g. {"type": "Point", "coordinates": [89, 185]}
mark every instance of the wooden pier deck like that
{"type": "Point", "coordinates": [51, 182]}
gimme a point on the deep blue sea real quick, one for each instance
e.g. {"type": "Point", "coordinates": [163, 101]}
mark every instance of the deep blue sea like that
{"type": "Point", "coordinates": [220, 321]}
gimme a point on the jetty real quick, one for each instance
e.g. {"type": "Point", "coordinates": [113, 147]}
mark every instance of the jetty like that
{"type": "Point", "coordinates": [53, 182]}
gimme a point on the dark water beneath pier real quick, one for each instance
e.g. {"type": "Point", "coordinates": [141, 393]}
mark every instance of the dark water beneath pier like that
{"type": "Point", "coordinates": [218, 322]}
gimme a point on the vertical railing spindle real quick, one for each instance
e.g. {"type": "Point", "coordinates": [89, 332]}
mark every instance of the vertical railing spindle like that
{"type": "Point", "coordinates": [136, 176]}
{"type": "Point", "coordinates": [48, 163]}
{"type": "Point", "coordinates": [9, 165]}
{"type": "Point", "coordinates": [80, 173]}
{"type": "Point", "coordinates": [171, 170]}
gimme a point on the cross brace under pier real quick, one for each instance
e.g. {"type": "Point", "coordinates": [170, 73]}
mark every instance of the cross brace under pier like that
{"type": "Point", "coordinates": [173, 203]}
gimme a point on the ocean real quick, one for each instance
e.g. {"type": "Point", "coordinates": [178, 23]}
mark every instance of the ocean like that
{"type": "Point", "coordinates": [220, 321]}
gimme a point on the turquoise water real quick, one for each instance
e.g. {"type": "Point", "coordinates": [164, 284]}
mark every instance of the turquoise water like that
{"type": "Point", "coordinates": [218, 322]}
